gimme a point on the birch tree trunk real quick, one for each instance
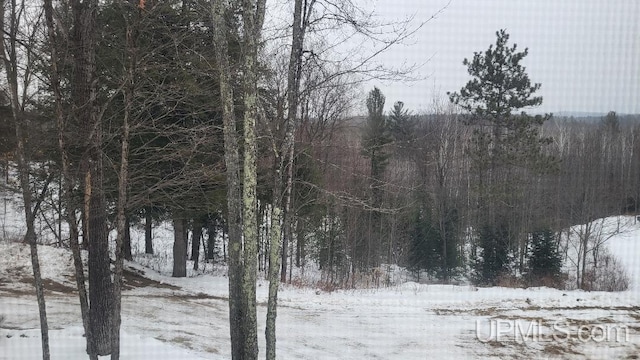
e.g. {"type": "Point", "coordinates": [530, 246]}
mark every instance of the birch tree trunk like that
{"type": "Point", "coordinates": [232, 163]}
{"type": "Point", "coordinates": [243, 228]}
{"type": "Point", "coordinates": [282, 187]}
{"type": "Point", "coordinates": [252, 18]}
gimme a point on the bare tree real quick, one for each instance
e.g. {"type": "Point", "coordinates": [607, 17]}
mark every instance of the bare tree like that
{"type": "Point", "coordinates": [18, 63]}
{"type": "Point", "coordinates": [122, 225]}
{"type": "Point", "coordinates": [439, 158]}
{"type": "Point", "coordinates": [283, 178]}
{"type": "Point", "coordinates": [68, 180]}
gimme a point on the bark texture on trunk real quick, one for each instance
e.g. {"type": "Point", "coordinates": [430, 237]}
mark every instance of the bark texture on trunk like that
{"type": "Point", "coordinates": [211, 240]}
{"type": "Point", "coordinates": [232, 163]}
{"type": "Point", "coordinates": [87, 114]}
{"type": "Point", "coordinates": [252, 19]}
{"type": "Point", "coordinates": [126, 249]}
{"type": "Point", "coordinates": [148, 228]}
{"type": "Point", "coordinates": [100, 285]}
{"type": "Point", "coordinates": [241, 202]}
{"type": "Point", "coordinates": [196, 238]}
{"type": "Point", "coordinates": [179, 248]}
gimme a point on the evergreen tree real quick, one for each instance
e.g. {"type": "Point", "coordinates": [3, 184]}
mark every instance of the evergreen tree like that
{"type": "Point", "coordinates": [611, 123]}
{"type": "Point", "coordinates": [499, 87]}
{"type": "Point", "coordinates": [374, 142]}
{"type": "Point", "coordinates": [425, 247]}
{"type": "Point", "coordinates": [545, 262]}
{"type": "Point", "coordinates": [506, 148]}
{"type": "Point", "coordinates": [376, 134]}
{"type": "Point", "coordinates": [494, 243]}
{"type": "Point", "coordinates": [426, 244]}
{"type": "Point", "coordinates": [449, 247]}
{"type": "Point", "coordinates": [401, 126]}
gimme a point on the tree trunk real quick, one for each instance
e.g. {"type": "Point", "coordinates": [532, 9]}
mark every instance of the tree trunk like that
{"type": "Point", "coordinates": [283, 245]}
{"type": "Point", "coordinates": [242, 261]}
{"type": "Point", "coordinates": [67, 178]}
{"type": "Point", "coordinates": [195, 242]}
{"type": "Point", "coordinates": [274, 266]}
{"type": "Point", "coordinates": [211, 240]}
{"type": "Point", "coordinates": [249, 184]}
{"type": "Point", "coordinates": [585, 248]}
{"type": "Point", "coordinates": [30, 210]}
{"type": "Point", "coordinates": [224, 247]}
{"type": "Point", "coordinates": [42, 309]}
{"type": "Point", "coordinates": [87, 114]}
{"type": "Point", "coordinates": [84, 224]}
{"type": "Point", "coordinates": [122, 225]}
{"type": "Point", "coordinates": [123, 238]}
{"type": "Point", "coordinates": [126, 250]}
{"type": "Point", "coordinates": [60, 214]}
{"type": "Point", "coordinates": [232, 162]}
{"type": "Point", "coordinates": [283, 187]}
{"type": "Point", "coordinates": [179, 248]}
{"type": "Point", "coordinates": [148, 226]}
{"type": "Point", "coordinates": [100, 285]}
{"type": "Point", "coordinates": [300, 243]}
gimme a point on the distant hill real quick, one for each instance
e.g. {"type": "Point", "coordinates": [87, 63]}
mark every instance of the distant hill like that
{"type": "Point", "coordinates": [578, 114]}
{"type": "Point", "coordinates": [624, 119]}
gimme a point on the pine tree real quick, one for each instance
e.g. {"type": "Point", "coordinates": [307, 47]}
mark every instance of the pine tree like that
{"type": "Point", "coordinates": [448, 235]}
{"type": "Point", "coordinates": [495, 254]}
{"type": "Point", "coordinates": [545, 262]}
{"type": "Point", "coordinates": [376, 134]}
{"type": "Point", "coordinates": [506, 148]}
{"type": "Point", "coordinates": [499, 88]}
{"type": "Point", "coordinates": [401, 126]}
{"type": "Point", "coordinates": [374, 143]}
{"type": "Point", "coordinates": [611, 123]}
{"type": "Point", "coordinates": [424, 251]}
{"type": "Point", "coordinates": [427, 242]}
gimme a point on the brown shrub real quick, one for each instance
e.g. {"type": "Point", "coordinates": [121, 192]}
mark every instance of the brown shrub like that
{"type": "Point", "coordinates": [610, 275]}
{"type": "Point", "coordinates": [509, 281]}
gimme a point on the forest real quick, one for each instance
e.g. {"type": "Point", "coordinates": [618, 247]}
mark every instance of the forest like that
{"type": "Point", "coordinates": [251, 140]}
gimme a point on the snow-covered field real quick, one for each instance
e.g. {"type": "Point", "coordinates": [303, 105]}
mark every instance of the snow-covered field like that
{"type": "Point", "coordinates": [167, 318]}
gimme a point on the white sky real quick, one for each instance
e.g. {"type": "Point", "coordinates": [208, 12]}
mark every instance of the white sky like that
{"type": "Point", "coordinates": [586, 53]}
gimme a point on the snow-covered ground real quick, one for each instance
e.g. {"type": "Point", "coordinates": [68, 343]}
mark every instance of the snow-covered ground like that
{"type": "Point", "coordinates": [168, 318]}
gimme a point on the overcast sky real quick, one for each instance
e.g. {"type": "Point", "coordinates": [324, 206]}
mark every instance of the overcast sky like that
{"type": "Point", "coordinates": [585, 53]}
